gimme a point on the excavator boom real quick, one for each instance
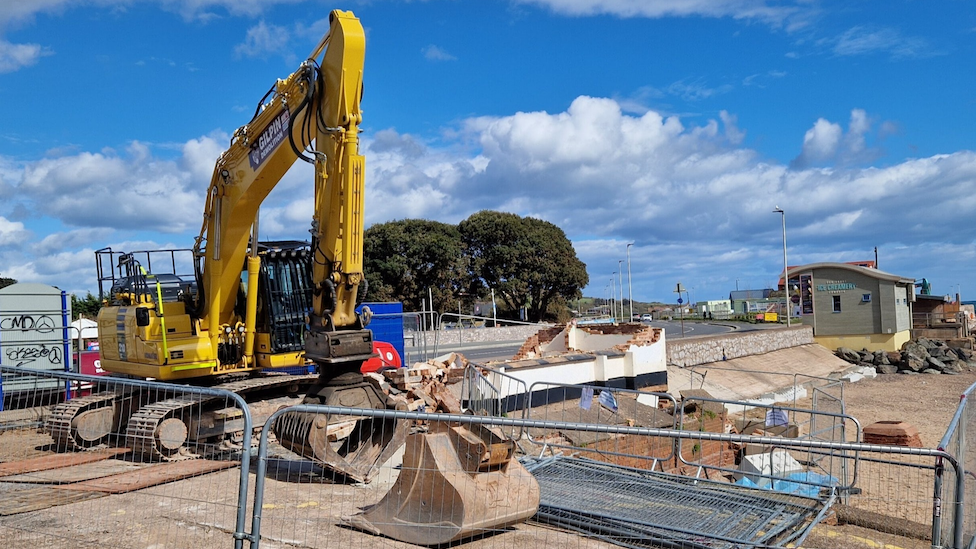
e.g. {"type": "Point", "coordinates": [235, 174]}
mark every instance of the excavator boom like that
{"type": "Point", "coordinates": [249, 306]}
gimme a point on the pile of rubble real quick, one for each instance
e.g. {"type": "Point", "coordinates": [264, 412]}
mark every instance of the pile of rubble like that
{"type": "Point", "coordinates": [426, 386]}
{"type": "Point", "coordinates": [920, 356]}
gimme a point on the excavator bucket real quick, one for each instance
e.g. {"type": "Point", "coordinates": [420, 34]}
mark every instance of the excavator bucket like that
{"type": "Point", "coordinates": [353, 447]}
{"type": "Point", "coordinates": [456, 483]}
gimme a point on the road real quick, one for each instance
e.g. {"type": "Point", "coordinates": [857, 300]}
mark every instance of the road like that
{"type": "Point", "coordinates": [673, 329]}
{"type": "Point", "coordinates": [475, 352]}
{"type": "Point", "coordinates": [504, 350]}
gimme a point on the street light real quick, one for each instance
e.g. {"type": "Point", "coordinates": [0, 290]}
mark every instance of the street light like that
{"type": "Point", "coordinates": [620, 275]}
{"type": "Point", "coordinates": [630, 283]}
{"type": "Point", "coordinates": [786, 276]}
{"type": "Point", "coordinates": [613, 295]}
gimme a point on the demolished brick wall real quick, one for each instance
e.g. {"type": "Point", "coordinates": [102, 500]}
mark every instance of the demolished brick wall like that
{"type": "Point", "coordinates": [532, 348]}
{"type": "Point", "coordinates": [640, 335]}
{"type": "Point", "coordinates": [643, 450]}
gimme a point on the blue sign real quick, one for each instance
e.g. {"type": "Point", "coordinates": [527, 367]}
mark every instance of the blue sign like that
{"type": "Point", "coordinates": [680, 301]}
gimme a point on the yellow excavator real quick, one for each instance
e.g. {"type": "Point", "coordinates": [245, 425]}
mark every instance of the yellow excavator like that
{"type": "Point", "coordinates": [232, 307]}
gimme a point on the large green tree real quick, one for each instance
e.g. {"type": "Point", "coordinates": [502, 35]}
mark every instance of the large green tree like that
{"type": "Point", "coordinates": [87, 306]}
{"type": "Point", "coordinates": [403, 259]}
{"type": "Point", "coordinates": [527, 262]}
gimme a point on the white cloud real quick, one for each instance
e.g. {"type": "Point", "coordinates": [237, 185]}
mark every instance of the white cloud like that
{"type": "Point", "coordinates": [775, 13]}
{"type": "Point", "coordinates": [263, 39]}
{"type": "Point", "coordinates": [693, 199]}
{"type": "Point", "coordinates": [689, 195]}
{"type": "Point", "coordinates": [820, 142]}
{"type": "Point", "coordinates": [16, 11]}
{"type": "Point", "coordinates": [12, 233]}
{"type": "Point", "coordinates": [732, 131]}
{"type": "Point", "coordinates": [135, 190]}
{"type": "Point", "coordinates": [435, 53]}
{"type": "Point", "coordinates": [866, 40]}
{"type": "Point", "coordinates": [827, 142]}
{"type": "Point", "coordinates": [696, 90]}
{"type": "Point", "coordinates": [14, 57]}
{"type": "Point", "coordinates": [200, 155]}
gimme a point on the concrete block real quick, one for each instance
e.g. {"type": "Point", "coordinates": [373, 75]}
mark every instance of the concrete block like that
{"type": "Point", "coordinates": [868, 372]}
{"type": "Point", "coordinates": [648, 400]}
{"type": "Point", "coordinates": [852, 377]}
{"type": "Point", "coordinates": [778, 463]}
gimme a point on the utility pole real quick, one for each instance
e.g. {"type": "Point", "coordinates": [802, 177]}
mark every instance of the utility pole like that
{"type": "Point", "coordinates": [681, 312]}
{"type": "Point", "coordinates": [630, 283]}
{"type": "Point", "coordinates": [786, 269]}
{"type": "Point", "coordinates": [620, 274]}
{"type": "Point", "coordinates": [613, 295]}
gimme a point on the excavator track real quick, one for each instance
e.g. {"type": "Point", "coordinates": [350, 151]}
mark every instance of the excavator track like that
{"type": "Point", "coordinates": [159, 430]}
{"type": "Point", "coordinates": [64, 427]}
{"type": "Point", "coordinates": [156, 431]}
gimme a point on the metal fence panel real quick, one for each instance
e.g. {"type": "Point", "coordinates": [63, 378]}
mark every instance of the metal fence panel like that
{"type": "Point", "coordinates": [106, 497]}
{"type": "Point", "coordinates": [601, 405]}
{"type": "Point", "coordinates": [72, 483]}
{"type": "Point", "coordinates": [955, 491]}
{"type": "Point", "coordinates": [590, 504]}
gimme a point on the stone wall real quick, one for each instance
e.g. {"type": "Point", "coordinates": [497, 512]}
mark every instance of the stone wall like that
{"type": "Point", "coordinates": [701, 350]}
{"type": "Point", "coordinates": [472, 335]}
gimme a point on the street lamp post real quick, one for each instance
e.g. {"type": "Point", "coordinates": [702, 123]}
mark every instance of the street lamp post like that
{"type": "Point", "coordinates": [620, 276]}
{"type": "Point", "coordinates": [613, 295]}
{"type": "Point", "coordinates": [630, 283]}
{"type": "Point", "coordinates": [786, 275]}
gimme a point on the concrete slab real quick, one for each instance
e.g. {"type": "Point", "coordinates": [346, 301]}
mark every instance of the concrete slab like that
{"type": "Point", "coordinates": [767, 377]}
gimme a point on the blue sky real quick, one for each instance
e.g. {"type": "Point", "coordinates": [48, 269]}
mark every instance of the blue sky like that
{"type": "Point", "coordinates": [677, 125]}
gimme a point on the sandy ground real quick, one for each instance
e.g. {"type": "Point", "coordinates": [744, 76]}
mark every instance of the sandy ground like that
{"type": "Point", "coordinates": [926, 401]}
{"type": "Point", "coordinates": [896, 497]}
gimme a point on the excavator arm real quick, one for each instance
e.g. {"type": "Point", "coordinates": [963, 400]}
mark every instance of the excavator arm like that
{"type": "Point", "coordinates": [320, 103]}
{"type": "Point", "coordinates": [157, 326]}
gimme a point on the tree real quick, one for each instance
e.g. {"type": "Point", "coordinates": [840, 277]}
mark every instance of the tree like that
{"type": "Point", "coordinates": [403, 259]}
{"type": "Point", "coordinates": [526, 261]}
{"type": "Point", "coordinates": [4, 282]}
{"type": "Point", "coordinates": [87, 307]}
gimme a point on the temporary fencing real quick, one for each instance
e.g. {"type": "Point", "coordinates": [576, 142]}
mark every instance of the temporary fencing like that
{"type": "Point", "coordinates": [111, 481]}
{"type": "Point", "coordinates": [955, 487]}
{"type": "Point", "coordinates": [597, 483]}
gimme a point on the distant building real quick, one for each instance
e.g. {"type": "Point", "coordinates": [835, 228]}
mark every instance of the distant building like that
{"type": "Point", "coordinates": [749, 302]}
{"type": "Point", "coordinates": [720, 309]}
{"type": "Point", "coordinates": [939, 317]}
{"type": "Point", "coordinates": [870, 264]}
{"type": "Point", "coordinates": [853, 306]}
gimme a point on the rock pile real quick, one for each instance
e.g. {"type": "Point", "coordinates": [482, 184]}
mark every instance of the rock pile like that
{"type": "Point", "coordinates": [920, 356]}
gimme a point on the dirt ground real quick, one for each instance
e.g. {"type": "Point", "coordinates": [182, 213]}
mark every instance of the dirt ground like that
{"type": "Point", "coordinates": [926, 401]}
{"type": "Point", "coordinates": [895, 498]}
{"type": "Point", "coordinates": [200, 511]}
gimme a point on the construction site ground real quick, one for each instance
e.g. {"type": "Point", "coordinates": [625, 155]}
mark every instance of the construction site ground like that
{"type": "Point", "coordinates": [302, 507]}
